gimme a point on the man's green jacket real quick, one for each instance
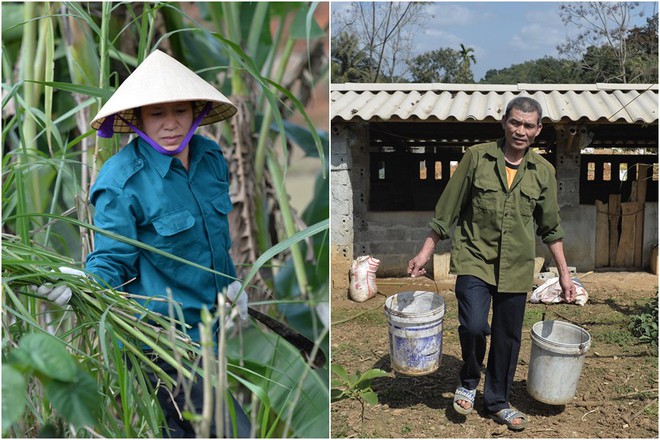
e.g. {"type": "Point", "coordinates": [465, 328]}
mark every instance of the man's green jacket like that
{"type": "Point", "coordinates": [494, 238]}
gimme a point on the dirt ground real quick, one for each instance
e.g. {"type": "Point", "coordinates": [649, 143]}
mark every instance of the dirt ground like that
{"type": "Point", "coordinates": [616, 397]}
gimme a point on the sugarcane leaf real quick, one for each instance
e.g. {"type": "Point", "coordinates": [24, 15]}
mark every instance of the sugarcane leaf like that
{"type": "Point", "coordinates": [304, 25]}
{"type": "Point", "coordinates": [290, 378]}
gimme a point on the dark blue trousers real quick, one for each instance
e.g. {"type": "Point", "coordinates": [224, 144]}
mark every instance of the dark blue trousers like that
{"type": "Point", "coordinates": [180, 428]}
{"type": "Point", "coordinates": [474, 301]}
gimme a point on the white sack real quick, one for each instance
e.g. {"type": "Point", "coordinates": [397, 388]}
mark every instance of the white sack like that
{"type": "Point", "coordinates": [550, 292]}
{"type": "Point", "coordinates": [362, 278]}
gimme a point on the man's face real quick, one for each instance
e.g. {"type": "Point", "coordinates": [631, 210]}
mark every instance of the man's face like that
{"type": "Point", "coordinates": [167, 123]}
{"type": "Point", "coordinates": [520, 129]}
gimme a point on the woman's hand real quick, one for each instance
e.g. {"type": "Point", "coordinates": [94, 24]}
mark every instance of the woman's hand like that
{"type": "Point", "coordinates": [60, 294]}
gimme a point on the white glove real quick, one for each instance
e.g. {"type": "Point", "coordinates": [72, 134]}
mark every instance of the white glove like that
{"type": "Point", "coordinates": [58, 294]}
{"type": "Point", "coordinates": [242, 302]}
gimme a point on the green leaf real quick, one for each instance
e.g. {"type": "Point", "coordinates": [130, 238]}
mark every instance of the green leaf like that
{"type": "Point", "coordinates": [336, 394]}
{"type": "Point", "coordinates": [371, 374]}
{"type": "Point", "coordinates": [20, 359]}
{"type": "Point", "coordinates": [339, 371]}
{"type": "Point", "coordinates": [302, 29]}
{"type": "Point", "coordinates": [49, 356]}
{"type": "Point", "coordinates": [79, 401]}
{"type": "Point", "coordinates": [76, 88]}
{"type": "Point", "coordinates": [13, 396]}
{"type": "Point", "coordinates": [289, 376]}
{"type": "Point", "coordinates": [370, 397]}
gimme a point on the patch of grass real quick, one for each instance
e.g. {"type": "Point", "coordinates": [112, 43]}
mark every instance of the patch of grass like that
{"type": "Point", "coordinates": [615, 336]}
{"type": "Point", "coordinates": [406, 429]}
{"type": "Point", "coordinates": [533, 315]}
{"type": "Point", "coordinates": [624, 389]}
{"type": "Point", "coordinates": [345, 348]}
{"type": "Point", "coordinates": [341, 314]}
{"type": "Point", "coordinates": [340, 428]}
{"type": "Point", "coordinates": [651, 411]}
{"type": "Point", "coordinates": [373, 317]}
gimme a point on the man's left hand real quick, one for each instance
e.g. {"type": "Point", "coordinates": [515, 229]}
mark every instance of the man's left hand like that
{"type": "Point", "coordinates": [567, 288]}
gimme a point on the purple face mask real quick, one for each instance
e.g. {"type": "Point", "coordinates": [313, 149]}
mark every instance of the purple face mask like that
{"type": "Point", "coordinates": [106, 131]}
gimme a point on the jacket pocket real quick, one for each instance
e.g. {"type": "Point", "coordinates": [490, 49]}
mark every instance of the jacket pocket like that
{"type": "Point", "coordinates": [223, 206]}
{"type": "Point", "coordinates": [485, 195]}
{"type": "Point", "coordinates": [173, 235]}
{"type": "Point", "coordinates": [222, 203]}
{"type": "Point", "coordinates": [173, 223]}
{"type": "Point", "coordinates": [529, 196]}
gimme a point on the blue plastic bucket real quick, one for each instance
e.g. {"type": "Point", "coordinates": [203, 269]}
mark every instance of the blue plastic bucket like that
{"type": "Point", "coordinates": [415, 331]}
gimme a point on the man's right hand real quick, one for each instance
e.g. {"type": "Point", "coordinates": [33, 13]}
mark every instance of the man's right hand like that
{"type": "Point", "coordinates": [416, 266]}
{"type": "Point", "coordinates": [59, 294]}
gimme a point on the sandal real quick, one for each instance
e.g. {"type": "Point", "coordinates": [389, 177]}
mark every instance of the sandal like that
{"type": "Point", "coordinates": [506, 417]}
{"type": "Point", "coordinates": [462, 393]}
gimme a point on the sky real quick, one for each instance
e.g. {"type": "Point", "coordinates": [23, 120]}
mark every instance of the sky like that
{"type": "Point", "coordinates": [501, 33]}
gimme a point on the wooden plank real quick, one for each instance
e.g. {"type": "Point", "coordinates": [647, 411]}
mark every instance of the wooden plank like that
{"type": "Point", "coordinates": [614, 217]}
{"type": "Point", "coordinates": [625, 251]}
{"type": "Point", "coordinates": [639, 235]}
{"type": "Point", "coordinates": [639, 194]}
{"type": "Point", "coordinates": [642, 182]}
{"type": "Point", "coordinates": [602, 235]}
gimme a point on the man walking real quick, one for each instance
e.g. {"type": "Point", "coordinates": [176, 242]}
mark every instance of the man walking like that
{"type": "Point", "coordinates": [498, 193]}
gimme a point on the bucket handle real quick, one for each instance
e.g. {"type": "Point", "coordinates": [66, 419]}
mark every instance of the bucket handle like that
{"type": "Point", "coordinates": [582, 346]}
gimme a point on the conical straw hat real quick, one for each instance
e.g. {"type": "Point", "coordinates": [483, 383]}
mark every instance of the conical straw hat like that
{"type": "Point", "coordinates": [160, 78]}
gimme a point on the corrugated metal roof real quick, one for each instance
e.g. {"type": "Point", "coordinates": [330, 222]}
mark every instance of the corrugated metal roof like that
{"type": "Point", "coordinates": [632, 103]}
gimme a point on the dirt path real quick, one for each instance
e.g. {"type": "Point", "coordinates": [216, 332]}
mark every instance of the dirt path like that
{"type": "Point", "coordinates": [617, 395]}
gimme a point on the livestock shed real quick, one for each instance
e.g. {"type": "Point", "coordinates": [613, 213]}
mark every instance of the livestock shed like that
{"type": "Point", "coordinates": [394, 147]}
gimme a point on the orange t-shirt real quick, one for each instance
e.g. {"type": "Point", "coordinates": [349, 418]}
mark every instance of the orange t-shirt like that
{"type": "Point", "coordinates": [511, 171]}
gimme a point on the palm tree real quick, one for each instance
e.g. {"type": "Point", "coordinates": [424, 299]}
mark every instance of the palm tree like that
{"type": "Point", "coordinates": [467, 58]}
{"type": "Point", "coordinates": [350, 63]}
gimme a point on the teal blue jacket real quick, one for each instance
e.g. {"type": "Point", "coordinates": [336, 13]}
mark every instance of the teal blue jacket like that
{"type": "Point", "coordinates": [150, 197]}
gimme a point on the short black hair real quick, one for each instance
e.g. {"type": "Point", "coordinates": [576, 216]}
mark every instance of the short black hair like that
{"type": "Point", "coordinates": [524, 104]}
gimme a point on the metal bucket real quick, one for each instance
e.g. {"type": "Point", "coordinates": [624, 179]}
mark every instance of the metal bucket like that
{"type": "Point", "coordinates": [555, 365]}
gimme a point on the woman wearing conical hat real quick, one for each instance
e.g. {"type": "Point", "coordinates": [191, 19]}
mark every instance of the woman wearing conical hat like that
{"type": "Point", "coordinates": [167, 188]}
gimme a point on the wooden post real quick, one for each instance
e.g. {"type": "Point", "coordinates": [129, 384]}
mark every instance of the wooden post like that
{"type": "Point", "coordinates": [625, 255]}
{"type": "Point", "coordinates": [639, 196]}
{"type": "Point", "coordinates": [614, 216]}
{"type": "Point", "coordinates": [602, 235]}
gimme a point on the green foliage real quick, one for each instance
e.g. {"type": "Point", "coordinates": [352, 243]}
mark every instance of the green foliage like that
{"type": "Point", "coordinates": [606, 48]}
{"type": "Point", "coordinates": [349, 62]}
{"type": "Point", "coordinates": [13, 384]}
{"type": "Point", "coordinates": [547, 70]}
{"type": "Point", "coordinates": [71, 391]}
{"type": "Point", "coordinates": [377, 36]}
{"type": "Point", "coordinates": [295, 392]}
{"type": "Point", "coordinates": [354, 386]}
{"type": "Point", "coordinates": [644, 326]}
{"type": "Point", "coordinates": [442, 65]}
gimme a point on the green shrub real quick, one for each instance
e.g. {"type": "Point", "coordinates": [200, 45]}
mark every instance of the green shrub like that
{"type": "Point", "coordinates": [645, 325]}
{"type": "Point", "coordinates": [355, 386]}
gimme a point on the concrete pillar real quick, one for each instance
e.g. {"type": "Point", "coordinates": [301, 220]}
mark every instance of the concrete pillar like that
{"type": "Point", "coordinates": [571, 138]}
{"type": "Point", "coordinates": [346, 137]}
